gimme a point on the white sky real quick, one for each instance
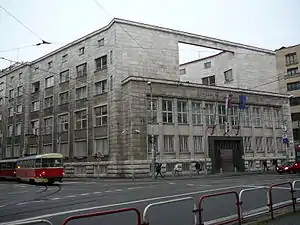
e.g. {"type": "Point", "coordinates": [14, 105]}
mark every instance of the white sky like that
{"type": "Point", "coordinates": [263, 23]}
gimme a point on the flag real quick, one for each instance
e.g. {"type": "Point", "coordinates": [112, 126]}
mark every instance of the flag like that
{"type": "Point", "coordinates": [242, 104]}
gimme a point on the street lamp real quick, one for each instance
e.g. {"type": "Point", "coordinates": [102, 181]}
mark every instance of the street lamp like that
{"type": "Point", "coordinates": [152, 132]}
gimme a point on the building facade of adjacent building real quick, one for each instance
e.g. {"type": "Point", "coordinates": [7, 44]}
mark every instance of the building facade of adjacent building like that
{"type": "Point", "coordinates": [288, 66]}
{"type": "Point", "coordinates": [234, 69]}
{"type": "Point", "coordinates": [72, 100]}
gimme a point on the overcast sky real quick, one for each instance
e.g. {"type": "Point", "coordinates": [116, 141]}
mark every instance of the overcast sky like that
{"type": "Point", "coordinates": [263, 23]}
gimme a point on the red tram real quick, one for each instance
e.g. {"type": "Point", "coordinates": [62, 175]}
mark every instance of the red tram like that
{"type": "Point", "coordinates": [45, 168]}
{"type": "Point", "coordinates": [8, 169]}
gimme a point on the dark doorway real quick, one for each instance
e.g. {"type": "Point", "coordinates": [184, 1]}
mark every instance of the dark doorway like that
{"type": "Point", "coordinates": [226, 153]}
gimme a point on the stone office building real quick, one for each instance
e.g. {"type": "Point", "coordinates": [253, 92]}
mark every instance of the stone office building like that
{"type": "Point", "coordinates": [72, 100]}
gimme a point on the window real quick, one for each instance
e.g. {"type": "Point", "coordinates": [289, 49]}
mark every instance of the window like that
{"type": "Point", "coordinates": [64, 149]}
{"type": "Point", "coordinates": [279, 144]}
{"type": "Point", "coordinates": [295, 101]}
{"type": "Point", "coordinates": [235, 116]}
{"type": "Point", "coordinates": [197, 140]}
{"type": "Point", "coordinates": [8, 152]}
{"type": "Point", "coordinates": [19, 108]}
{"type": "Point", "coordinates": [259, 144]}
{"type": "Point", "coordinates": [182, 71]}
{"type": "Point", "coordinates": [293, 86]}
{"type": "Point", "coordinates": [64, 76]}
{"type": "Point", "coordinates": [35, 87]}
{"type": "Point", "coordinates": [17, 151]}
{"type": "Point", "coordinates": [268, 117]}
{"type": "Point", "coordinates": [63, 122]}
{"type": "Point", "coordinates": [209, 80]}
{"type": "Point", "coordinates": [155, 143]}
{"type": "Point", "coordinates": [111, 83]}
{"type": "Point", "coordinates": [81, 93]}
{"type": "Point", "coordinates": [18, 129]}
{"type": "Point", "coordinates": [11, 93]}
{"type": "Point", "coordinates": [10, 130]}
{"type": "Point", "coordinates": [111, 56]}
{"type": "Point", "coordinates": [101, 87]}
{"type": "Point", "coordinates": [101, 42]}
{"type": "Point", "coordinates": [81, 120]}
{"type": "Point", "coordinates": [81, 70]}
{"type": "Point", "coordinates": [183, 143]}
{"type": "Point", "coordinates": [247, 144]}
{"type": "Point", "coordinates": [292, 71]}
{"type": "Point", "coordinates": [256, 116]}
{"type": "Point", "coordinates": [35, 106]}
{"type": "Point", "coordinates": [49, 81]}
{"type": "Point", "coordinates": [278, 117]}
{"type": "Point", "coordinates": [101, 115]}
{"type": "Point", "coordinates": [49, 162]}
{"type": "Point", "coordinates": [80, 148]}
{"type": "Point", "coordinates": [1, 86]}
{"type": "Point", "coordinates": [48, 125]}
{"type": "Point", "coordinates": [64, 58]}
{"type": "Point", "coordinates": [101, 145]}
{"type": "Point", "coordinates": [20, 91]}
{"type": "Point", "coordinates": [101, 63]}
{"type": "Point", "coordinates": [207, 65]}
{"type": "Point", "coordinates": [182, 112]}
{"type": "Point", "coordinates": [228, 75]}
{"type": "Point", "coordinates": [245, 117]}
{"type": "Point", "coordinates": [63, 98]}
{"type": "Point", "coordinates": [167, 111]}
{"type": "Point", "coordinates": [291, 58]}
{"type": "Point", "coordinates": [48, 102]}
{"type": "Point", "coordinates": [10, 111]}
{"type": "Point", "coordinates": [154, 108]}
{"type": "Point", "coordinates": [168, 143]}
{"type": "Point", "coordinates": [269, 144]}
{"type": "Point", "coordinates": [209, 114]}
{"type": "Point", "coordinates": [221, 113]}
{"type": "Point", "coordinates": [196, 113]}
{"type": "Point", "coordinates": [81, 51]}
{"type": "Point", "coordinates": [35, 125]}
{"type": "Point", "coordinates": [36, 70]}
{"type": "Point", "coordinates": [50, 65]}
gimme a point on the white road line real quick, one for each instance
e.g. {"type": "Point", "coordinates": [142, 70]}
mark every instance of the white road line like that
{"type": "Point", "coordinates": [97, 192]}
{"type": "Point", "coordinates": [22, 203]}
{"type": "Point", "coordinates": [108, 191]}
{"type": "Point", "coordinates": [53, 199]}
{"type": "Point", "coordinates": [84, 194]}
{"type": "Point", "coordinates": [118, 190]}
{"type": "Point", "coordinates": [1, 206]}
{"type": "Point", "coordinates": [119, 204]}
{"type": "Point", "coordinates": [190, 184]}
{"type": "Point", "coordinates": [37, 201]}
{"type": "Point", "coordinates": [18, 192]}
{"type": "Point", "coordinates": [171, 183]}
{"type": "Point", "coordinates": [70, 196]}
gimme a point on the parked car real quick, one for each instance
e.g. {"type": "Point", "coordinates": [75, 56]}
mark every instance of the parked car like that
{"type": "Point", "coordinates": [288, 167]}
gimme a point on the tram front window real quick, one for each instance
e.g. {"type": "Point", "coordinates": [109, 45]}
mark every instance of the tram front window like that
{"type": "Point", "coordinates": [52, 163]}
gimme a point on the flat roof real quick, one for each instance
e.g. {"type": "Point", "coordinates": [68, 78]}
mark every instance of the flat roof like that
{"type": "Point", "coordinates": [197, 85]}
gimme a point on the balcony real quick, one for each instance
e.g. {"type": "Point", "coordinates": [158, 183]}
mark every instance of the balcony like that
{"type": "Point", "coordinates": [291, 63]}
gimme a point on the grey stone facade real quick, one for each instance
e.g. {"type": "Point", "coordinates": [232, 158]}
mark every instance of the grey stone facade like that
{"type": "Point", "coordinates": [82, 106]}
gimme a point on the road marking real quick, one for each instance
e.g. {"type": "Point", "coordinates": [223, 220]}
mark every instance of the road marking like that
{"type": "Point", "coordinates": [70, 196]}
{"type": "Point", "coordinates": [190, 184]}
{"type": "Point", "coordinates": [22, 203]}
{"type": "Point", "coordinates": [108, 191]}
{"type": "Point", "coordinates": [97, 192]}
{"type": "Point", "coordinates": [171, 183]}
{"type": "Point", "coordinates": [17, 192]}
{"type": "Point", "coordinates": [120, 204]}
{"type": "Point", "coordinates": [1, 206]}
{"type": "Point", "coordinates": [118, 190]}
{"type": "Point", "coordinates": [84, 194]}
{"type": "Point", "coordinates": [53, 199]}
{"type": "Point", "coordinates": [37, 201]}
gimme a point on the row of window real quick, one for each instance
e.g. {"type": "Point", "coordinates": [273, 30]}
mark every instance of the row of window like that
{"type": "Point", "coordinates": [168, 145]}
{"type": "Point", "coordinates": [213, 114]}
{"type": "Point", "coordinates": [100, 119]}
{"type": "Point", "coordinates": [291, 58]}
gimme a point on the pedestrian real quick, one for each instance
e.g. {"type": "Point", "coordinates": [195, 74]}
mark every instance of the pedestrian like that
{"type": "Point", "coordinates": [158, 167]}
{"type": "Point", "coordinates": [198, 169]}
{"type": "Point", "coordinates": [265, 165]}
{"type": "Point", "coordinates": [176, 169]}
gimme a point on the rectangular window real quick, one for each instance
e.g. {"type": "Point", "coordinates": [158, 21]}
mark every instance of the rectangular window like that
{"type": "Point", "coordinates": [101, 87]}
{"type": "Point", "coordinates": [63, 98]}
{"type": "Point", "coordinates": [63, 122]}
{"type": "Point", "coordinates": [154, 108]}
{"type": "Point", "coordinates": [48, 125]}
{"type": "Point", "coordinates": [81, 120]}
{"type": "Point", "coordinates": [10, 130]}
{"type": "Point", "coordinates": [35, 126]}
{"type": "Point", "coordinates": [35, 87]}
{"type": "Point", "coordinates": [228, 75]}
{"type": "Point", "coordinates": [168, 143]}
{"type": "Point", "coordinates": [81, 93]}
{"type": "Point", "coordinates": [19, 108]}
{"type": "Point", "coordinates": [235, 116]}
{"type": "Point", "coordinates": [167, 111]}
{"type": "Point", "coordinates": [11, 93]}
{"type": "Point", "coordinates": [279, 144]}
{"type": "Point", "coordinates": [291, 58]}
{"type": "Point", "coordinates": [277, 117]}
{"type": "Point", "coordinates": [18, 129]}
{"type": "Point", "coordinates": [293, 86]}
{"type": "Point", "coordinates": [101, 42]}
{"type": "Point", "coordinates": [269, 144]}
{"type": "Point", "coordinates": [64, 58]}
{"type": "Point", "coordinates": [207, 65]}
{"type": "Point", "coordinates": [101, 63]}
{"type": "Point", "coordinates": [295, 101]}
{"type": "Point", "coordinates": [209, 114]}
{"type": "Point", "coordinates": [155, 143]}
{"type": "Point", "coordinates": [81, 70]}
{"type": "Point", "coordinates": [101, 146]}
{"type": "Point", "coordinates": [182, 112]}
{"type": "Point", "coordinates": [10, 111]}
{"type": "Point", "coordinates": [50, 65]}
{"type": "Point", "coordinates": [221, 113]}
{"type": "Point", "coordinates": [35, 106]}
{"type": "Point", "coordinates": [256, 116]}
{"type": "Point", "coordinates": [247, 144]}
{"type": "Point", "coordinates": [197, 140]}
{"type": "Point", "coordinates": [100, 115]}
{"type": "Point", "coordinates": [245, 118]}
{"type": "Point", "coordinates": [48, 102]}
{"type": "Point", "coordinates": [182, 71]}
{"type": "Point", "coordinates": [258, 144]}
{"type": "Point", "coordinates": [268, 117]}
{"type": "Point", "coordinates": [64, 76]}
{"type": "Point", "coordinates": [1, 101]}
{"type": "Point", "coordinates": [183, 143]}
{"type": "Point", "coordinates": [20, 91]}
{"type": "Point", "coordinates": [292, 71]}
{"type": "Point", "coordinates": [81, 51]}
{"type": "Point", "coordinates": [211, 80]}
{"type": "Point", "coordinates": [80, 148]}
{"type": "Point", "coordinates": [196, 113]}
{"type": "Point", "coordinates": [1, 86]}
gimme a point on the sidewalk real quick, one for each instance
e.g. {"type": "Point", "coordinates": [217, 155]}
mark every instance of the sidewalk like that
{"type": "Point", "coordinates": [168, 178]}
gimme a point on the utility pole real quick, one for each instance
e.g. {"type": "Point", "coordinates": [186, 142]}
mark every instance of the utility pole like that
{"type": "Point", "coordinates": [152, 133]}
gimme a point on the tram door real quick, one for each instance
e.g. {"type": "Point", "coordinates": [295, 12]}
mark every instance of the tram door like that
{"type": "Point", "coordinates": [226, 156]}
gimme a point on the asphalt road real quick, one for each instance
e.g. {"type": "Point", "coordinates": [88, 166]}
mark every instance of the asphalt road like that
{"type": "Point", "coordinates": [23, 201]}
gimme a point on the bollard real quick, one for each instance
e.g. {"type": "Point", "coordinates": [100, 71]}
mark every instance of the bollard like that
{"type": "Point", "coordinates": [235, 170]}
{"type": "Point", "coordinates": [221, 170]}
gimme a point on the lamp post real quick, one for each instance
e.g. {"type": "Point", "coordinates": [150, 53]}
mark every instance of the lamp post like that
{"type": "Point", "coordinates": [152, 133]}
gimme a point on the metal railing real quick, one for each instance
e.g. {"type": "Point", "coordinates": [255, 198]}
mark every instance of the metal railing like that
{"type": "Point", "coordinates": [34, 222]}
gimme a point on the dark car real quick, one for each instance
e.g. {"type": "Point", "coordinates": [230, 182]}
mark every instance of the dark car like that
{"type": "Point", "coordinates": [288, 167]}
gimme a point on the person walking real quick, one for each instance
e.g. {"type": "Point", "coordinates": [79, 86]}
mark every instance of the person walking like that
{"type": "Point", "coordinates": [198, 169]}
{"type": "Point", "coordinates": [265, 165]}
{"type": "Point", "coordinates": [158, 167]}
